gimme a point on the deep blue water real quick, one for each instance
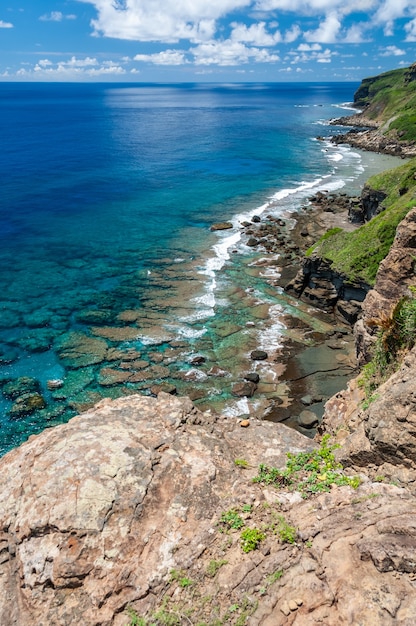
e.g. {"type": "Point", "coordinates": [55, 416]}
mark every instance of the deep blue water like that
{"type": "Point", "coordinates": [108, 192]}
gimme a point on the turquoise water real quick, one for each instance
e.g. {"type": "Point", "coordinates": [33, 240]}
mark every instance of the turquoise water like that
{"type": "Point", "coordinates": [111, 279]}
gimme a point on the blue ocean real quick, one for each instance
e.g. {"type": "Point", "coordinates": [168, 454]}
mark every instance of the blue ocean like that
{"type": "Point", "coordinates": [111, 280]}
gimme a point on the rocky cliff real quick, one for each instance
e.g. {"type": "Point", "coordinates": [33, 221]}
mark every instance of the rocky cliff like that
{"type": "Point", "coordinates": [136, 511]}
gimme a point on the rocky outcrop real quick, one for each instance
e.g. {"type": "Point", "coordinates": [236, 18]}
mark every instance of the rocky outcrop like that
{"type": "Point", "coordinates": [395, 274]}
{"type": "Point", "coordinates": [382, 438]}
{"type": "Point", "coordinates": [136, 509]}
{"type": "Point", "coordinates": [319, 285]}
{"type": "Point", "coordinates": [96, 513]}
{"type": "Point", "coordinates": [370, 205]}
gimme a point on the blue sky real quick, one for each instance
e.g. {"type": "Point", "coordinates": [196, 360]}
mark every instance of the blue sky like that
{"type": "Point", "coordinates": [204, 40]}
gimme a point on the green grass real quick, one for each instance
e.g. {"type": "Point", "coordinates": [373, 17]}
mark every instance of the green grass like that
{"type": "Point", "coordinates": [358, 254]}
{"type": "Point", "coordinates": [251, 539]}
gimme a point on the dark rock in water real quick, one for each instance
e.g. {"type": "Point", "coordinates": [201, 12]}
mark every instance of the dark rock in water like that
{"type": "Point", "coordinates": [8, 355]}
{"type": "Point", "coordinates": [26, 404]}
{"type": "Point", "coordinates": [197, 360]}
{"type": "Point", "coordinates": [252, 377]}
{"type": "Point", "coordinates": [256, 219]}
{"type": "Point", "coordinates": [20, 386]}
{"type": "Point", "coordinates": [258, 355]}
{"type": "Point", "coordinates": [308, 419]}
{"type": "Point", "coordinates": [9, 319]}
{"type": "Point", "coordinates": [38, 319]}
{"type": "Point", "coordinates": [244, 389]}
{"type": "Point", "coordinates": [252, 242]}
{"type": "Point", "coordinates": [221, 226]}
{"type": "Point", "coordinates": [165, 387]}
{"type": "Point", "coordinates": [39, 340]}
{"type": "Point", "coordinates": [307, 400]}
{"type": "Point", "coordinates": [94, 316]}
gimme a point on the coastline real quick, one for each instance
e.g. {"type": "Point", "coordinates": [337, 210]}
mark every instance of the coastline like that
{"type": "Point", "coordinates": [315, 361]}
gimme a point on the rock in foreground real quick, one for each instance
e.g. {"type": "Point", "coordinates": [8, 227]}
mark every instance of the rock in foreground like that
{"type": "Point", "coordinates": [122, 507]}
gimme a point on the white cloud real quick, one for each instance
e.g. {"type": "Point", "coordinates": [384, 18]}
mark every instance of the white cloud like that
{"type": "Point", "coordinates": [5, 24]}
{"type": "Point", "coordinates": [317, 7]}
{"type": "Point", "coordinates": [167, 57]}
{"type": "Point", "coordinates": [307, 53]}
{"type": "Point", "coordinates": [394, 51]}
{"type": "Point", "coordinates": [161, 20]}
{"type": "Point", "coordinates": [229, 52]}
{"type": "Point", "coordinates": [255, 34]}
{"type": "Point", "coordinates": [328, 31]}
{"type": "Point", "coordinates": [71, 69]}
{"type": "Point", "coordinates": [389, 11]}
{"type": "Point", "coordinates": [410, 29]}
{"type": "Point", "coordinates": [56, 16]}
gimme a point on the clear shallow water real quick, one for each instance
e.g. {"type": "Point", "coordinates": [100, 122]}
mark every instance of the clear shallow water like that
{"type": "Point", "coordinates": [108, 193]}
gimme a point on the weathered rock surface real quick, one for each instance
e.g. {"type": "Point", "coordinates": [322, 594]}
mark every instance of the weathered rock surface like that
{"type": "Point", "coordinates": [395, 274]}
{"type": "Point", "coordinates": [122, 507]}
{"type": "Point", "coordinates": [382, 438]}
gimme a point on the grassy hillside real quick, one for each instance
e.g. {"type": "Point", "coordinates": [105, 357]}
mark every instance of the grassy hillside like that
{"type": "Point", "coordinates": [357, 254]}
{"type": "Point", "coordinates": [390, 99]}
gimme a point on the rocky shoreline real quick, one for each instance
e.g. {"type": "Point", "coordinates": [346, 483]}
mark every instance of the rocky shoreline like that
{"type": "Point", "coordinates": [313, 363]}
{"type": "Point", "coordinates": [367, 134]}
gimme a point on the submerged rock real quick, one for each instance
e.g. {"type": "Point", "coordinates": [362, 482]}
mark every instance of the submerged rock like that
{"type": "Point", "coordinates": [26, 404]}
{"type": "Point", "coordinates": [19, 386]}
{"type": "Point", "coordinates": [79, 350]}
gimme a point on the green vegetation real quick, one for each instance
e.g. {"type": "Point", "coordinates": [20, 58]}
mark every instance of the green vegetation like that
{"type": "Point", "coordinates": [251, 538]}
{"type": "Point", "coordinates": [287, 533]}
{"type": "Point", "coordinates": [358, 254]}
{"type": "Point", "coordinates": [396, 336]}
{"type": "Point", "coordinates": [214, 566]}
{"type": "Point", "coordinates": [231, 520]}
{"type": "Point", "coordinates": [180, 577]}
{"type": "Point", "coordinates": [391, 97]}
{"type": "Point", "coordinates": [308, 472]}
{"type": "Point", "coordinates": [241, 463]}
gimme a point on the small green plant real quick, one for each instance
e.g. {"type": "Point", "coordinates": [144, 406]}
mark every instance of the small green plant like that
{"type": "Point", "coordinates": [277, 575]}
{"type": "Point", "coordinates": [308, 543]}
{"type": "Point", "coordinates": [246, 508]}
{"type": "Point", "coordinates": [287, 533]}
{"type": "Point", "coordinates": [232, 520]}
{"type": "Point", "coordinates": [214, 566]}
{"type": "Point", "coordinates": [308, 472]}
{"type": "Point", "coordinates": [135, 620]}
{"type": "Point", "coordinates": [251, 538]}
{"type": "Point", "coordinates": [241, 463]}
{"type": "Point", "coordinates": [182, 580]}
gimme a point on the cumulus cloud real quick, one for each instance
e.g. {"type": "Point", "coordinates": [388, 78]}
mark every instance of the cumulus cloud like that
{"type": "Point", "coordinates": [71, 69]}
{"type": "Point", "coordinates": [255, 34]}
{"type": "Point", "coordinates": [161, 20]}
{"type": "Point", "coordinates": [410, 29]}
{"type": "Point", "coordinates": [389, 11]}
{"type": "Point", "coordinates": [5, 24]}
{"type": "Point", "coordinates": [56, 16]}
{"type": "Point", "coordinates": [392, 51]}
{"type": "Point", "coordinates": [230, 52]}
{"type": "Point", "coordinates": [167, 57]}
{"type": "Point", "coordinates": [327, 32]}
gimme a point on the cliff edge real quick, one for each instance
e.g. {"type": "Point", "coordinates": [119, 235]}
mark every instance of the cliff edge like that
{"type": "Point", "coordinates": [144, 511]}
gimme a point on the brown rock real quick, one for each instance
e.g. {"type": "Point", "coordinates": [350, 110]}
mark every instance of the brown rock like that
{"type": "Point", "coordinates": [244, 389]}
